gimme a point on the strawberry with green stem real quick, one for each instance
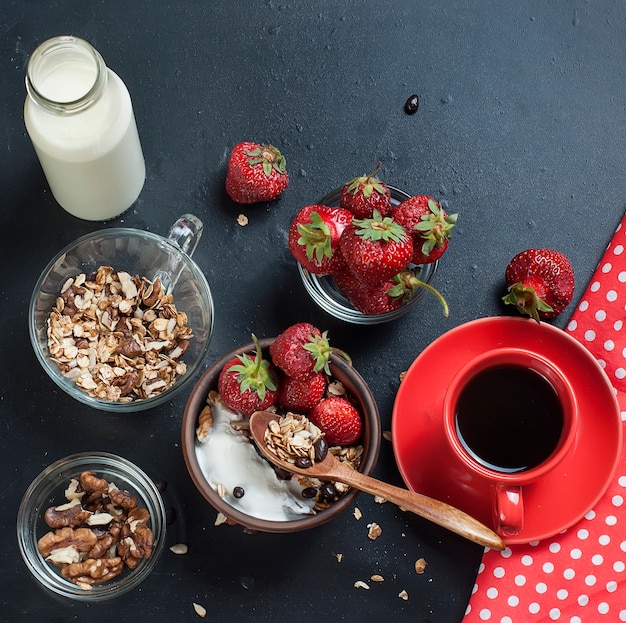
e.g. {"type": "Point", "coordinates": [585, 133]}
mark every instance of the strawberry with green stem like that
{"type": "Point", "coordinates": [255, 173]}
{"type": "Point", "coordinates": [429, 225]}
{"type": "Point", "coordinates": [314, 235]}
{"type": "Point", "coordinates": [376, 248]}
{"type": "Point", "coordinates": [386, 296]}
{"type": "Point", "coordinates": [362, 195]}
{"type": "Point", "coordinates": [248, 384]}
{"type": "Point", "coordinates": [301, 350]}
{"type": "Point", "coordinates": [540, 283]}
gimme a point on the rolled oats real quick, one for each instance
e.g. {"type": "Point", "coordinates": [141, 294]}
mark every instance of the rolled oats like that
{"type": "Point", "coordinates": [374, 531]}
{"type": "Point", "coordinates": [420, 566]}
{"type": "Point", "coordinates": [119, 338]}
{"type": "Point", "coordinates": [199, 610]}
{"type": "Point", "coordinates": [179, 549]}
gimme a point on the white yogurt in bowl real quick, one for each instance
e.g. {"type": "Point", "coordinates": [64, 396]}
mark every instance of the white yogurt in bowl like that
{"type": "Point", "coordinates": [231, 465]}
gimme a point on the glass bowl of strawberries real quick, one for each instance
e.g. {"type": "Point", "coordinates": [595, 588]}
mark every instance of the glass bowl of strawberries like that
{"type": "Point", "coordinates": [220, 455]}
{"type": "Point", "coordinates": [332, 242]}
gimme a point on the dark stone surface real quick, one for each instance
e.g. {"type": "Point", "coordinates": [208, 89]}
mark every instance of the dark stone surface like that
{"type": "Point", "coordinates": [520, 129]}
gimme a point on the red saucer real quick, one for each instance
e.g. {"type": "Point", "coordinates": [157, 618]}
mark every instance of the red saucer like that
{"type": "Point", "coordinates": [558, 501]}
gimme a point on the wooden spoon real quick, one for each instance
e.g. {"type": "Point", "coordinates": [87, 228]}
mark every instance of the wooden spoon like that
{"type": "Point", "coordinates": [331, 468]}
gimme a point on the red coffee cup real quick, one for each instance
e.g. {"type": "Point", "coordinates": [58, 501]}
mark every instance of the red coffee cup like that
{"type": "Point", "coordinates": [510, 418]}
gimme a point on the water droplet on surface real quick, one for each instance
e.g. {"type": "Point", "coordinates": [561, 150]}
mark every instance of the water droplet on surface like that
{"type": "Point", "coordinates": [247, 582]}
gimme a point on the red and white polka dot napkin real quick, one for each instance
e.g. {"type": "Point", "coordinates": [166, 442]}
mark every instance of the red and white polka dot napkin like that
{"type": "Point", "coordinates": [579, 576]}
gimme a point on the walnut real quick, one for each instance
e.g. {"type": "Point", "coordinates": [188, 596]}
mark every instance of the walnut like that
{"type": "Point", "coordinates": [93, 486]}
{"type": "Point", "coordinates": [123, 498]}
{"type": "Point", "coordinates": [103, 545]}
{"type": "Point", "coordinates": [81, 539]}
{"type": "Point", "coordinates": [71, 514]}
{"type": "Point", "coordinates": [92, 571]}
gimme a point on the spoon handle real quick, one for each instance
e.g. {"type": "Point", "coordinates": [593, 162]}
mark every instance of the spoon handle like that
{"type": "Point", "coordinates": [436, 511]}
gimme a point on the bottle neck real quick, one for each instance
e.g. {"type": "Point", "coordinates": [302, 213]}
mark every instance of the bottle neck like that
{"type": "Point", "coordinates": [65, 75]}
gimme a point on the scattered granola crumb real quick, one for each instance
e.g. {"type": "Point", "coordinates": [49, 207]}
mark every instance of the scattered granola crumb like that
{"type": "Point", "coordinates": [403, 595]}
{"type": "Point", "coordinates": [387, 435]}
{"type": "Point", "coordinates": [357, 513]}
{"type": "Point", "coordinates": [339, 557]}
{"type": "Point", "coordinates": [374, 531]}
{"type": "Point", "coordinates": [377, 578]}
{"type": "Point", "coordinates": [179, 548]}
{"type": "Point", "coordinates": [361, 584]}
{"type": "Point", "coordinates": [200, 610]}
{"type": "Point", "coordinates": [420, 565]}
{"type": "Point", "coordinates": [242, 219]}
{"type": "Point", "coordinates": [402, 375]}
{"type": "Point", "coordinates": [379, 500]}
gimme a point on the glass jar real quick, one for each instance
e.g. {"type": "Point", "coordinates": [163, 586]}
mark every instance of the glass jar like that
{"type": "Point", "coordinates": [79, 116]}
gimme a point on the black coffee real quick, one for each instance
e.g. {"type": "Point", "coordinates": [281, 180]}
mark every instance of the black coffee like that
{"type": "Point", "coordinates": [509, 418]}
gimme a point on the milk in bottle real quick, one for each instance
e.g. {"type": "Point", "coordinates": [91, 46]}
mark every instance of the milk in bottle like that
{"type": "Point", "coordinates": [79, 116]}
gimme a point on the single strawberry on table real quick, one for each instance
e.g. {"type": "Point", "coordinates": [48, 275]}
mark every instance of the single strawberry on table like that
{"type": "Point", "coordinates": [248, 384]}
{"type": "Point", "coordinates": [429, 225]}
{"type": "Point", "coordinates": [339, 419]}
{"type": "Point", "coordinates": [362, 195]}
{"type": "Point", "coordinates": [314, 235]}
{"type": "Point", "coordinates": [376, 248]}
{"type": "Point", "coordinates": [300, 350]}
{"type": "Point", "coordinates": [540, 283]}
{"type": "Point", "coordinates": [255, 173]}
{"type": "Point", "coordinates": [301, 394]}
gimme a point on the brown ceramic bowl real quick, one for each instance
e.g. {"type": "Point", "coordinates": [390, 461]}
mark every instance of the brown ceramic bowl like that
{"type": "Point", "coordinates": [371, 439]}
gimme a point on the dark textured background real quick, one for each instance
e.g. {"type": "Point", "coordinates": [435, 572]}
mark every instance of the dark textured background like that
{"type": "Point", "coordinates": [520, 129]}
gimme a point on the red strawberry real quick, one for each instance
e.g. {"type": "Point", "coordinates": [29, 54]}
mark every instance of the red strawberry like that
{"type": "Point", "coordinates": [362, 195]}
{"type": "Point", "coordinates": [314, 236]}
{"type": "Point", "coordinates": [383, 297]}
{"type": "Point", "coordinates": [429, 225]}
{"type": "Point", "coordinates": [301, 350]}
{"type": "Point", "coordinates": [339, 419]}
{"type": "Point", "coordinates": [540, 282]}
{"type": "Point", "coordinates": [302, 394]}
{"type": "Point", "coordinates": [247, 385]}
{"type": "Point", "coordinates": [255, 173]}
{"type": "Point", "coordinates": [376, 248]}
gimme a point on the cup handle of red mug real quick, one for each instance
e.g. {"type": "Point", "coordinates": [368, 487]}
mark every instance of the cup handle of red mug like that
{"type": "Point", "coordinates": [508, 506]}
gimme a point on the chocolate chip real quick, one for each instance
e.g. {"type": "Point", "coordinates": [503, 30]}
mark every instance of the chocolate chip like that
{"type": "Point", "coordinates": [239, 492]}
{"type": "Point", "coordinates": [328, 492]}
{"type": "Point", "coordinates": [412, 104]}
{"type": "Point", "coordinates": [321, 449]}
{"type": "Point", "coordinates": [303, 462]}
{"type": "Point", "coordinates": [309, 492]}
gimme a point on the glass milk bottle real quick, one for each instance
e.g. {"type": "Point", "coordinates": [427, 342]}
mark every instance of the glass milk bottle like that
{"type": "Point", "coordinates": [79, 117]}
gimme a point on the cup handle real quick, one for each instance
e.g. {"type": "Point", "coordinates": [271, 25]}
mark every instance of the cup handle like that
{"type": "Point", "coordinates": [508, 506]}
{"type": "Point", "coordinates": [185, 233]}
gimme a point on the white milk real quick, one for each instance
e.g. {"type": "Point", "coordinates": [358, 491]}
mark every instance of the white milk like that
{"type": "Point", "coordinates": [92, 156]}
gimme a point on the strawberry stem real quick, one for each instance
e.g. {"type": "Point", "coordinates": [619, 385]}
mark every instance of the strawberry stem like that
{"type": "Point", "coordinates": [526, 300]}
{"type": "Point", "coordinates": [413, 282]}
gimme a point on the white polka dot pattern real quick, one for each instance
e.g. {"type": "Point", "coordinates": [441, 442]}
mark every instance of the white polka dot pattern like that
{"type": "Point", "coordinates": [575, 577]}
